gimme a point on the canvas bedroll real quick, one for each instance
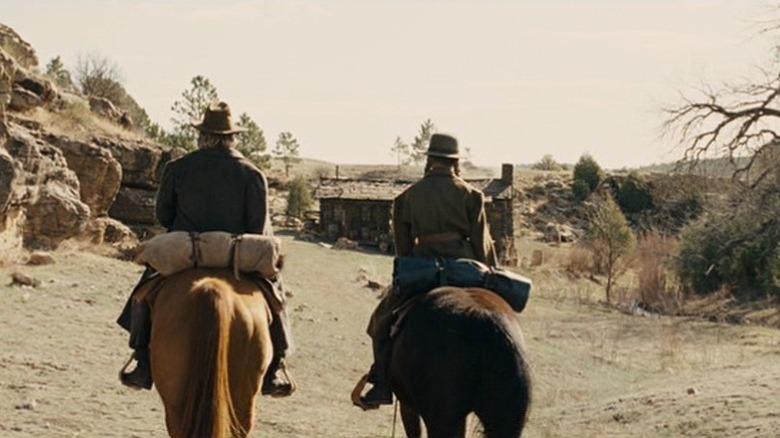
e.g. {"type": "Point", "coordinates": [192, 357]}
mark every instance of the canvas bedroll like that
{"type": "Point", "coordinates": [179, 250]}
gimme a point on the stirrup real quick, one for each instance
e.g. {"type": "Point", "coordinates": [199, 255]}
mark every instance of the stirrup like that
{"type": "Point", "coordinates": [124, 376]}
{"type": "Point", "coordinates": [357, 398]}
{"type": "Point", "coordinates": [123, 371]}
{"type": "Point", "coordinates": [285, 389]}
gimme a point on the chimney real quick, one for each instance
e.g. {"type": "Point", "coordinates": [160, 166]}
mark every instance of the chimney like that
{"type": "Point", "coordinates": [507, 173]}
{"type": "Point", "coordinates": [337, 171]}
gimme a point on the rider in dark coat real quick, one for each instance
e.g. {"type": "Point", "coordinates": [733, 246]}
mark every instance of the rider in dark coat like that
{"type": "Point", "coordinates": [439, 216]}
{"type": "Point", "coordinates": [214, 188]}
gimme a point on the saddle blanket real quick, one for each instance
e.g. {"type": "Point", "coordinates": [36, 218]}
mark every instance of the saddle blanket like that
{"type": "Point", "coordinates": [412, 276]}
{"type": "Point", "coordinates": [179, 250]}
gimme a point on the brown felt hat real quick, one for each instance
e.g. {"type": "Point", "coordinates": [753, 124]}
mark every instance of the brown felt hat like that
{"type": "Point", "coordinates": [443, 145]}
{"type": "Point", "coordinates": [218, 120]}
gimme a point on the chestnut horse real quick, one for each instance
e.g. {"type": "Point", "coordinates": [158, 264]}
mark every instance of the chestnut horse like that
{"type": "Point", "coordinates": [460, 351]}
{"type": "Point", "coordinates": [210, 348]}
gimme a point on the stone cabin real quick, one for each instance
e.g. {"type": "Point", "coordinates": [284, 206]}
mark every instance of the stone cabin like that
{"type": "Point", "coordinates": [361, 210]}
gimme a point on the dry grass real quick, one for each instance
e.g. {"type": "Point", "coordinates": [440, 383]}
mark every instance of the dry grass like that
{"type": "Point", "coordinates": [656, 289]}
{"type": "Point", "coordinates": [578, 261]}
{"type": "Point", "coordinates": [75, 120]}
{"type": "Point", "coordinates": [597, 372]}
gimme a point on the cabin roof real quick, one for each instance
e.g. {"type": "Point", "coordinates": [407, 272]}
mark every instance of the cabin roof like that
{"type": "Point", "coordinates": [387, 190]}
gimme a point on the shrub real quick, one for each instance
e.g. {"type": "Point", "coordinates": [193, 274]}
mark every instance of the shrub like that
{"type": "Point", "coordinates": [298, 198]}
{"type": "Point", "coordinates": [547, 163]}
{"type": "Point", "coordinates": [633, 194]}
{"type": "Point", "coordinates": [589, 171]}
{"type": "Point", "coordinates": [580, 189]}
{"type": "Point", "coordinates": [738, 252]}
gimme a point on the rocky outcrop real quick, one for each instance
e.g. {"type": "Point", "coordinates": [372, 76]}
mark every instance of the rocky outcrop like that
{"type": "Point", "coordinates": [141, 162]}
{"type": "Point", "coordinates": [46, 188]}
{"type": "Point", "coordinates": [61, 186]}
{"type": "Point", "coordinates": [134, 206]}
{"type": "Point", "coordinates": [19, 49]}
{"type": "Point", "coordinates": [31, 92]}
{"type": "Point", "coordinates": [99, 173]}
{"type": "Point", "coordinates": [106, 109]}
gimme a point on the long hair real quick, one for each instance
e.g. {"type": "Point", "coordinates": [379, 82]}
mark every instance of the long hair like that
{"type": "Point", "coordinates": [441, 162]}
{"type": "Point", "coordinates": [213, 141]}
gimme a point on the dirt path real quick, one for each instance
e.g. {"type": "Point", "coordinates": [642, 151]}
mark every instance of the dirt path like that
{"type": "Point", "coordinates": [596, 372]}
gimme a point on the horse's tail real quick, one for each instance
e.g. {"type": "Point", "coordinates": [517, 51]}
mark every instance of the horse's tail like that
{"type": "Point", "coordinates": [209, 408]}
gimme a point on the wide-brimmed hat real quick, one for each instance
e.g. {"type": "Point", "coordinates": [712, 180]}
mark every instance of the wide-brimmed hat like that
{"type": "Point", "coordinates": [443, 145]}
{"type": "Point", "coordinates": [218, 120]}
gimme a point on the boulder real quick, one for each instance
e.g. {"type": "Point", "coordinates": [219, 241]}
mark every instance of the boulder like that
{"type": "Point", "coordinates": [23, 100]}
{"type": "Point", "coordinates": [38, 258]}
{"type": "Point", "coordinates": [98, 172]}
{"type": "Point", "coordinates": [104, 108]}
{"type": "Point", "coordinates": [105, 230]}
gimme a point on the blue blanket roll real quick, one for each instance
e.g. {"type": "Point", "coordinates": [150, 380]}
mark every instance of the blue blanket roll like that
{"type": "Point", "coordinates": [412, 276]}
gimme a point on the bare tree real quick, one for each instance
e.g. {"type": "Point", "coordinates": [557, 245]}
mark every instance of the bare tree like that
{"type": "Point", "coordinates": [98, 76]}
{"type": "Point", "coordinates": [736, 244]}
{"type": "Point", "coordinates": [737, 121]}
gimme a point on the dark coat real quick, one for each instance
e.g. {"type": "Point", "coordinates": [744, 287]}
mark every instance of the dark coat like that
{"type": "Point", "coordinates": [442, 202]}
{"type": "Point", "coordinates": [213, 189]}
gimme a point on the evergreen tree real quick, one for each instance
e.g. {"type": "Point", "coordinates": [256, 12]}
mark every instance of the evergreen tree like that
{"type": "Point", "coordinates": [287, 149]}
{"type": "Point", "coordinates": [588, 171]}
{"type": "Point", "coordinates": [420, 144]}
{"type": "Point", "coordinates": [251, 142]}
{"type": "Point", "coordinates": [189, 110]}
{"type": "Point", "coordinates": [55, 70]}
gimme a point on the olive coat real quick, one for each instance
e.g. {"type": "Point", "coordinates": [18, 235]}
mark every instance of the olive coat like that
{"type": "Point", "coordinates": [442, 202]}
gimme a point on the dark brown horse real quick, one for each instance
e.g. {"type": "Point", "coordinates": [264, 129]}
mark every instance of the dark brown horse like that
{"type": "Point", "coordinates": [461, 351]}
{"type": "Point", "coordinates": [210, 348]}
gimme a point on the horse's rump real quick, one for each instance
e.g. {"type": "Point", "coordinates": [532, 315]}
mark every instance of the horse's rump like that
{"type": "Point", "coordinates": [460, 351]}
{"type": "Point", "coordinates": [210, 348]}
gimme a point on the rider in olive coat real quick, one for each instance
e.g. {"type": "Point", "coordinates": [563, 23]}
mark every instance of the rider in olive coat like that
{"type": "Point", "coordinates": [439, 216]}
{"type": "Point", "coordinates": [214, 188]}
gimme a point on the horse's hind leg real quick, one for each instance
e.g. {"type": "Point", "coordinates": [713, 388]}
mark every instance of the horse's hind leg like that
{"type": "Point", "coordinates": [446, 428]}
{"type": "Point", "coordinates": [411, 422]}
{"type": "Point", "coordinates": [502, 421]}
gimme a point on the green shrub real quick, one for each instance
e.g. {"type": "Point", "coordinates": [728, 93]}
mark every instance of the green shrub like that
{"type": "Point", "coordinates": [580, 189]}
{"type": "Point", "coordinates": [298, 198]}
{"type": "Point", "coordinates": [588, 170]}
{"type": "Point", "coordinates": [738, 253]}
{"type": "Point", "coordinates": [633, 194]}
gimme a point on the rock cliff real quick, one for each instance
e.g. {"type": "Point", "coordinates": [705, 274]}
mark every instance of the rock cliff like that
{"type": "Point", "coordinates": [61, 176]}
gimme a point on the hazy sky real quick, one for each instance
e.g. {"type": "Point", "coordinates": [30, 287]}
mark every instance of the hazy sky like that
{"type": "Point", "coordinates": [513, 80]}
